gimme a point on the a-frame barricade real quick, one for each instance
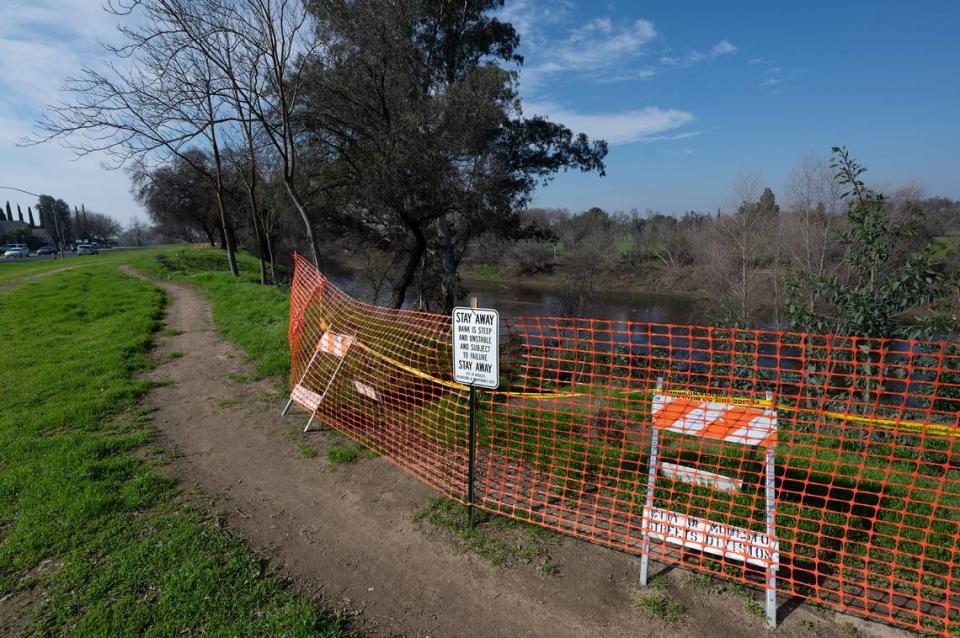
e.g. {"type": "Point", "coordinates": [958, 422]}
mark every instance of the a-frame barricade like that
{"type": "Point", "coordinates": [330, 343]}
{"type": "Point", "coordinates": [733, 423]}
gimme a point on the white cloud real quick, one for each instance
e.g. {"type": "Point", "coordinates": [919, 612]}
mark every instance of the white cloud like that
{"type": "Point", "coordinates": [529, 17]}
{"type": "Point", "coordinates": [720, 49]}
{"type": "Point", "coordinates": [723, 47]}
{"type": "Point", "coordinates": [600, 48]}
{"type": "Point", "coordinates": [648, 124]}
{"type": "Point", "coordinates": [772, 77]}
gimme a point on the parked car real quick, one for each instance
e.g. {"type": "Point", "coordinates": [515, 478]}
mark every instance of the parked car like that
{"type": "Point", "coordinates": [87, 249]}
{"type": "Point", "coordinates": [48, 249]}
{"type": "Point", "coordinates": [16, 250]}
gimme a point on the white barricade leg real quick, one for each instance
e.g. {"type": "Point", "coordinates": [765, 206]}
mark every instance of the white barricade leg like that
{"type": "Point", "coordinates": [326, 389]}
{"type": "Point", "coordinates": [303, 376]}
{"type": "Point", "coordinates": [648, 506]}
{"type": "Point", "coordinates": [771, 585]}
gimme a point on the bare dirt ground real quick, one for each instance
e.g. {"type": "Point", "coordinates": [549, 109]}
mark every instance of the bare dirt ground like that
{"type": "Point", "coordinates": [344, 534]}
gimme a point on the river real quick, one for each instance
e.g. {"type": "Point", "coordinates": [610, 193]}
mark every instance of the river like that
{"type": "Point", "coordinates": [514, 299]}
{"type": "Point", "coordinates": [520, 300]}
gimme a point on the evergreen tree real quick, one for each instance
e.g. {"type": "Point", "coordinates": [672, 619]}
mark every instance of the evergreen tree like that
{"type": "Point", "coordinates": [768, 203]}
{"type": "Point", "coordinates": [30, 216]}
{"type": "Point", "coordinates": [9, 212]}
{"type": "Point", "coordinates": [19, 213]}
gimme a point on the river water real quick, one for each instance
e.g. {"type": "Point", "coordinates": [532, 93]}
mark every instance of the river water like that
{"type": "Point", "coordinates": [519, 300]}
{"type": "Point", "coordinates": [514, 299]}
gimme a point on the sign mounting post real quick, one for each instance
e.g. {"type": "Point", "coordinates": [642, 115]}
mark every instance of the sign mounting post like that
{"type": "Point", "coordinates": [476, 363]}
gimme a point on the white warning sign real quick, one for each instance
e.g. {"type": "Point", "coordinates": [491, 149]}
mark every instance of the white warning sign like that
{"type": "Point", "coordinates": [476, 347]}
{"type": "Point", "coordinates": [713, 538]}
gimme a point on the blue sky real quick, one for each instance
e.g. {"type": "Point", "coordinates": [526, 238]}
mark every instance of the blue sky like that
{"type": "Point", "coordinates": [690, 95]}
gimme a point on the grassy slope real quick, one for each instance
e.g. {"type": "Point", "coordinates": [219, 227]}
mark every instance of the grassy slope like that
{"type": "Point", "coordinates": [128, 555]}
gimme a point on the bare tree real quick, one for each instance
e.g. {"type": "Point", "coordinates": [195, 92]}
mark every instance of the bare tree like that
{"type": "Point", "coordinates": [261, 49]}
{"type": "Point", "coordinates": [744, 254]}
{"type": "Point", "coordinates": [813, 202]}
{"type": "Point", "coordinates": [157, 101]}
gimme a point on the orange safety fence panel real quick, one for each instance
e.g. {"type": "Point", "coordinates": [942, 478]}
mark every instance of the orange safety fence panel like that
{"type": "Point", "coordinates": [865, 440]}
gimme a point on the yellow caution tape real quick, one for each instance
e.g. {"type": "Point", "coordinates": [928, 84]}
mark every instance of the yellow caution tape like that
{"type": "Point", "coordinates": [913, 426]}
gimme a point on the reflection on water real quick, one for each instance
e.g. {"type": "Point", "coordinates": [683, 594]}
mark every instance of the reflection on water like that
{"type": "Point", "coordinates": [519, 300]}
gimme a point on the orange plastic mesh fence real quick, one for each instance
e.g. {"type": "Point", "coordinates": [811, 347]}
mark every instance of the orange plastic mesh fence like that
{"type": "Point", "coordinates": [863, 433]}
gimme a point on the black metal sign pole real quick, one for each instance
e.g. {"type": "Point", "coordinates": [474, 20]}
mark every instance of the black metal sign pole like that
{"type": "Point", "coordinates": [471, 454]}
{"type": "Point", "coordinates": [472, 434]}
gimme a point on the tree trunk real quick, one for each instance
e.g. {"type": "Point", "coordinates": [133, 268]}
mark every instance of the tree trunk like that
{"type": "Point", "coordinates": [258, 233]}
{"type": "Point", "coordinates": [308, 226]}
{"type": "Point", "coordinates": [231, 242]}
{"type": "Point", "coordinates": [273, 261]}
{"type": "Point", "coordinates": [252, 193]}
{"type": "Point", "coordinates": [410, 268]}
{"type": "Point", "coordinates": [449, 285]}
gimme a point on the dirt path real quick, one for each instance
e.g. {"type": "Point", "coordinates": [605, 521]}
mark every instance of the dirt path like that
{"type": "Point", "coordinates": [345, 535]}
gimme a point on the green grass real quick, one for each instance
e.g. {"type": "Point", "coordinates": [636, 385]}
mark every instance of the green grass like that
{"type": "Point", "coordinates": [125, 554]}
{"type": "Point", "coordinates": [657, 600]}
{"type": "Point", "coordinates": [348, 452]}
{"type": "Point", "coordinates": [486, 271]}
{"type": "Point", "coordinates": [497, 539]}
{"type": "Point", "coordinates": [305, 450]}
{"type": "Point", "coordinates": [624, 246]}
{"type": "Point", "coordinates": [10, 272]}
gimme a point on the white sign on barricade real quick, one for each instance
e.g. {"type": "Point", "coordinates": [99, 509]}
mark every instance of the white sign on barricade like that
{"type": "Point", "coordinates": [476, 347]}
{"type": "Point", "coordinates": [712, 537]}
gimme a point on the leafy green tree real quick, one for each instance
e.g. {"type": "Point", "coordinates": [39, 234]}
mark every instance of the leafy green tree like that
{"type": "Point", "coordinates": [55, 218]}
{"type": "Point", "coordinates": [414, 105]}
{"type": "Point", "coordinates": [876, 289]}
